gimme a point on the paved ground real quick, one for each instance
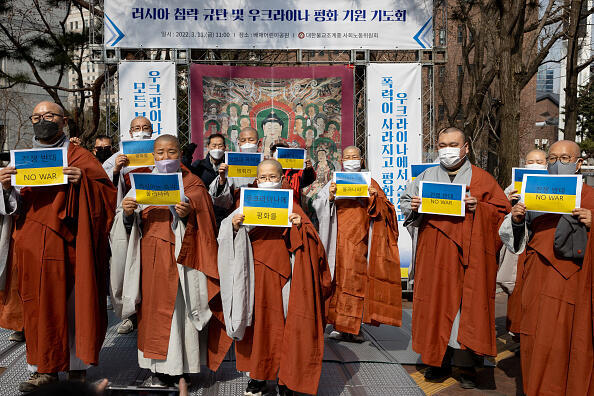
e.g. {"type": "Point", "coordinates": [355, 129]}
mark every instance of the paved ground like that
{"type": "Point", "coordinates": [383, 365]}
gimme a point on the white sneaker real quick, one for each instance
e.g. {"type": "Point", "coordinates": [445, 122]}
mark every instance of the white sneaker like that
{"type": "Point", "coordinates": [336, 335]}
{"type": "Point", "coordinates": [126, 327]}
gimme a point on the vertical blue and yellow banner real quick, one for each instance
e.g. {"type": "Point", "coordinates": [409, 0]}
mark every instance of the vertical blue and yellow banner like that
{"type": "Point", "coordinates": [352, 184]}
{"type": "Point", "coordinates": [242, 164]}
{"type": "Point", "coordinates": [266, 207]}
{"type": "Point", "coordinates": [417, 169]}
{"type": "Point", "coordinates": [139, 152]}
{"type": "Point", "coordinates": [442, 198]}
{"type": "Point", "coordinates": [39, 167]}
{"type": "Point", "coordinates": [518, 175]}
{"type": "Point", "coordinates": [552, 193]}
{"type": "Point", "coordinates": [158, 189]}
{"type": "Point", "coordinates": [290, 158]}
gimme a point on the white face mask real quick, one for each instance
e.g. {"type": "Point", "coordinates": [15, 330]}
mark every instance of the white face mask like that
{"type": "Point", "coordinates": [535, 166]}
{"type": "Point", "coordinates": [137, 135]}
{"type": "Point", "coordinates": [269, 184]}
{"type": "Point", "coordinates": [217, 153]}
{"type": "Point", "coordinates": [167, 165]}
{"type": "Point", "coordinates": [449, 156]}
{"type": "Point", "coordinates": [248, 148]}
{"type": "Point", "coordinates": [351, 165]}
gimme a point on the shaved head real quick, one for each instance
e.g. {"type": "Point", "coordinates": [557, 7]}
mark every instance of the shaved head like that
{"type": "Point", "coordinates": [248, 131]}
{"type": "Point", "coordinates": [536, 156]}
{"type": "Point", "coordinates": [56, 112]}
{"type": "Point", "coordinates": [449, 130]}
{"type": "Point", "coordinates": [351, 150]}
{"type": "Point", "coordinates": [270, 165]}
{"type": "Point", "coordinates": [167, 139]}
{"type": "Point", "coordinates": [140, 120]}
{"type": "Point", "coordinates": [566, 147]}
{"type": "Point", "coordinates": [48, 107]}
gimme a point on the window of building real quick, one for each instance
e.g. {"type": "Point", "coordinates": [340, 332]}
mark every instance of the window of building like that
{"type": "Point", "coordinates": [441, 73]}
{"type": "Point", "coordinates": [442, 37]}
{"type": "Point", "coordinates": [460, 34]}
{"type": "Point", "coordinates": [440, 112]}
{"type": "Point", "coordinates": [460, 71]}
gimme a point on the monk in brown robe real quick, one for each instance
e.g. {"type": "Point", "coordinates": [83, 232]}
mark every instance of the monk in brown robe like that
{"type": "Point", "coordinates": [456, 265]}
{"type": "Point", "coordinates": [274, 284]}
{"type": "Point", "coordinates": [555, 288]}
{"type": "Point", "coordinates": [61, 251]}
{"type": "Point", "coordinates": [161, 257]}
{"type": "Point", "coordinates": [361, 240]}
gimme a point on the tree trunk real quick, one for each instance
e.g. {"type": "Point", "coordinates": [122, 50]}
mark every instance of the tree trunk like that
{"type": "Point", "coordinates": [572, 72]}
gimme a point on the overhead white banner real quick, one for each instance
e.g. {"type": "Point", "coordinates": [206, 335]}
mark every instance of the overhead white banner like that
{"type": "Point", "coordinates": [148, 89]}
{"type": "Point", "coordinates": [395, 135]}
{"type": "Point", "coordinates": [266, 24]}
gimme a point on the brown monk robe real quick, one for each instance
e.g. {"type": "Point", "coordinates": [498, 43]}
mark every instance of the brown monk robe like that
{"type": "Point", "coordinates": [284, 342]}
{"type": "Point", "coordinates": [11, 306]}
{"type": "Point", "coordinates": [555, 294]}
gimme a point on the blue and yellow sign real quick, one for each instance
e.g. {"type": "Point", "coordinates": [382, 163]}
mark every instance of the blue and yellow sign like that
{"type": "Point", "coordinates": [158, 189]}
{"type": "Point", "coordinates": [518, 175]}
{"type": "Point", "coordinates": [39, 167]}
{"type": "Point", "coordinates": [139, 152]}
{"type": "Point", "coordinates": [290, 158]}
{"type": "Point", "coordinates": [352, 184]}
{"type": "Point", "coordinates": [266, 207]}
{"type": "Point", "coordinates": [442, 198]}
{"type": "Point", "coordinates": [552, 193]}
{"type": "Point", "coordinates": [242, 164]}
{"type": "Point", "coordinates": [417, 169]}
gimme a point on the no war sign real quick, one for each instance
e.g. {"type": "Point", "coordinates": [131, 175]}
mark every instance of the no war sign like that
{"type": "Point", "coordinates": [39, 167]}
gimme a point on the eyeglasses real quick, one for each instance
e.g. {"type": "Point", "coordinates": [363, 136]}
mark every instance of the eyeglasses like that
{"type": "Point", "coordinates": [565, 159]}
{"type": "Point", "coordinates": [145, 128]}
{"type": "Point", "coordinates": [35, 118]}
{"type": "Point", "coordinates": [271, 178]}
{"type": "Point", "coordinates": [102, 147]}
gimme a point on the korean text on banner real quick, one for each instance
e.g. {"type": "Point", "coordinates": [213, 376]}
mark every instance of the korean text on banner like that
{"type": "Point", "coordinates": [352, 184]}
{"type": "Point", "coordinates": [442, 198]}
{"type": "Point", "coordinates": [417, 169]}
{"type": "Point", "coordinates": [266, 207]}
{"type": "Point", "coordinates": [163, 189]}
{"type": "Point", "coordinates": [242, 164]}
{"type": "Point", "coordinates": [395, 130]}
{"type": "Point", "coordinates": [290, 158]}
{"type": "Point", "coordinates": [139, 152]}
{"type": "Point", "coordinates": [39, 167]}
{"type": "Point", "coordinates": [552, 193]}
{"type": "Point", "coordinates": [148, 89]}
{"type": "Point", "coordinates": [518, 175]}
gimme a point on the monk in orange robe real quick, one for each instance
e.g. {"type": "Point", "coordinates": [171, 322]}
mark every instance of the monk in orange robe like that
{"type": "Point", "coordinates": [456, 265]}
{"type": "Point", "coordinates": [61, 251]}
{"type": "Point", "coordinates": [554, 288]}
{"type": "Point", "coordinates": [361, 240]}
{"type": "Point", "coordinates": [274, 284]}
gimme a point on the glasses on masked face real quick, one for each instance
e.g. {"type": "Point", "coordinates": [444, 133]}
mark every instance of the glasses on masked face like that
{"type": "Point", "coordinates": [565, 159]}
{"type": "Point", "coordinates": [144, 128]}
{"type": "Point", "coordinates": [35, 118]}
{"type": "Point", "coordinates": [270, 178]}
{"type": "Point", "coordinates": [102, 147]}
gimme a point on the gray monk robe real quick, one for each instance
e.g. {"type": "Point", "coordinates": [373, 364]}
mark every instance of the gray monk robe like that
{"type": "Point", "coordinates": [122, 182]}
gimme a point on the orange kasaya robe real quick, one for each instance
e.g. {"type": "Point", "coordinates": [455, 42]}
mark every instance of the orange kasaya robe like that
{"type": "Point", "coordinates": [367, 289]}
{"type": "Point", "coordinates": [556, 337]}
{"type": "Point", "coordinates": [61, 246]}
{"type": "Point", "coordinates": [514, 300]}
{"type": "Point", "coordinates": [11, 306]}
{"type": "Point", "coordinates": [456, 269]}
{"type": "Point", "coordinates": [290, 349]}
{"type": "Point", "coordinates": [160, 277]}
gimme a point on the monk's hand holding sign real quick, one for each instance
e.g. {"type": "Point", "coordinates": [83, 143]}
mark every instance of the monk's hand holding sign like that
{"type": "Point", "coordinates": [5, 177]}
{"type": "Point", "coordinates": [237, 220]}
{"type": "Point", "coordinates": [129, 205]}
{"type": "Point", "coordinates": [372, 191]}
{"type": "Point", "coordinates": [183, 209]}
{"type": "Point", "coordinates": [121, 161]}
{"type": "Point", "coordinates": [222, 173]}
{"type": "Point", "coordinates": [471, 203]}
{"type": "Point", "coordinates": [518, 213]}
{"type": "Point", "coordinates": [74, 174]}
{"type": "Point", "coordinates": [415, 203]}
{"type": "Point", "coordinates": [295, 219]}
{"type": "Point", "coordinates": [584, 216]}
{"type": "Point", "coordinates": [332, 190]}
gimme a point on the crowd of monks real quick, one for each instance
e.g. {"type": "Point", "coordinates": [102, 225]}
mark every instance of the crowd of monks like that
{"type": "Point", "coordinates": [199, 282]}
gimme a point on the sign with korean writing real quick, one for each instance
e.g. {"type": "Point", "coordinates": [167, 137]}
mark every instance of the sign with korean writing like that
{"type": "Point", "coordinates": [242, 164]}
{"type": "Point", "coordinates": [139, 152]}
{"type": "Point", "coordinates": [39, 167]}
{"type": "Point", "coordinates": [158, 189]}
{"type": "Point", "coordinates": [148, 89]}
{"type": "Point", "coordinates": [552, 193]}
{"type": "Point", "coordinates": [518, 175]}
{"type": "Point", "coordinates": [417, 169]}
{"type": "Point", "coordinates": [442, 198]}
{"type": "Point", "coordinates": [352, 184]}
{"type": "Point", "coordinates": [291, 158]}
{"type": "Point", "coordinates": [266, 207]}
{"type": "Point", "coordinates": [394, 122]}
{"type": "Point", "coordinates": [246, 24]}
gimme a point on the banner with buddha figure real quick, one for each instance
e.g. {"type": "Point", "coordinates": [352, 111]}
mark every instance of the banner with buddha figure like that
{"type": "Point", "coordinates": [305, 107]}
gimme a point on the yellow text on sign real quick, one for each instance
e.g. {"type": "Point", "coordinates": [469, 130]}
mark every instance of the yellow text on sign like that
{"type": "Point", "coordinates": [39, 176]}
{"type": "Point", "coordinates": [266, 216]}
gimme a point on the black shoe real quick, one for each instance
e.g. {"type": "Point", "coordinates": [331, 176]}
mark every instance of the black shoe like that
{"type": "Point", "coordinates": [255, 388]}
{"type": "Point", "coordinates": [284, 391]}
{"type": "Point", "coordinates": [467, 380]}
{"type": "Point", "coordinates": [437, 374]}
{"type": "Point", "coordinates": [159, 380]}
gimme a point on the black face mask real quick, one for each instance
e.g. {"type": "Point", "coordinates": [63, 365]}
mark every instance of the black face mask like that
{"type": "Point", "coordinates": [103, 154]}
{"type": "Point", "coordinates": [45, 130]}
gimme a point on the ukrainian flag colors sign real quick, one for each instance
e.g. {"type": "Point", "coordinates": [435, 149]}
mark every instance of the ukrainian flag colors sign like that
{"type": "Point", "coordinates": [242, 164]}
{"type": "Point", "coordinates": [290, 158]}
{"type": "Point", "coordinates": [416, 170]}
{"type": "Point", "coordinates": [39, 167]}
{"type": "Point", "coordinates": [518, 175]}
{"type": "Point", "coordinates": [552, 193]}
{"type": "Point", "coordinates": [139, 152]}
{"type": "Point", "coordinates": [352, 184]}
{"type": "Point", "coordinates": [266, 207]}
{"type": "Point", "coordinates": [442, 198]}
{"type": "Point", "coordinates": [158, 189]}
